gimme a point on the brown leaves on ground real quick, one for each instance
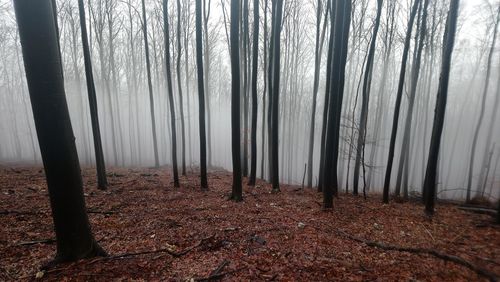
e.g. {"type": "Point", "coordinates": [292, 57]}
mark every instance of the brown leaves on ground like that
{"type": "Point", "coordinates": [282, 236]}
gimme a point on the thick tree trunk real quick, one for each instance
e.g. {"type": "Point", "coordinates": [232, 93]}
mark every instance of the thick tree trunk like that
{"type": "Point", "coordinates": [442, 95]}
{"type": "Point", "coordinates": [42, 60]}
{"type": "Point", "coordinates": [339, 57]}
{"type": "Point", "coordinates": [236, 194]}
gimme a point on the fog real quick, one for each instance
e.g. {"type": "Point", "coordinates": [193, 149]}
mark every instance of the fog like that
{"type": "Point", "coordinates": [124, 104]}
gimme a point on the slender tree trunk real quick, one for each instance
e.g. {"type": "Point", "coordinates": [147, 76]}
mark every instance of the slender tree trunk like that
{"type": "Point", "coordinates": [264, 71]}
{"type": "Point", "coordinates": [437, 128]}
{"type": "Point", "coordinates": [399, 95]}
{"type": "Point", "coordinates": [42, 60]}
{"type": "Point", "coordinates": [275, 95]}
{"type": "Point", "coordinates": [255, 59]}
{"type": "Point", "coordinates": [201, 97]}
{"type": "Point", "coordinates": [102, 181]}
{"type": "Point", "coordinates": [206, 79]}
{"type": "Point", "coordinates": [366, 96]}
{"type": "Point", "coordinates": [150, 85]}
{"type": "Point", "coordinates": [166, 35]}
{"type": "Point", "coordinates": [179, 87]}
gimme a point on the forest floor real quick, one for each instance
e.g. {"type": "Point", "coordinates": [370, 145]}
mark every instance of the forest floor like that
{"type": "Point", "coordinates": [188, 235]}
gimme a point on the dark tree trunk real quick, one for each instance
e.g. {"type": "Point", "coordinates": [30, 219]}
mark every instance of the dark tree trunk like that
{"type": "Point", "coordinates": [275, 97]}
{"type": "Point", "coordinates": [150, 84]}
{"type": "Point", "coordinates": [265, 81]}
{"type": "Point", "coordinates": [270, 93]}
{"type": "Point", "coordinates": [339, 57]}
{"type": "Point", "coordinates": [42, 61]}
{"type": "Point", "coordinates": [317, 65]}
{"type": "Point", "coordinates": [367, 81]}
{"type": "Point", "coordinates": [201, 97]}
{"type": "Point", "coordinates": [236, 194]}
{"type": "Point", "coordinates": [166, 35]}
{"type": "Point", "coordinates": [102, 181]}
{"type": "Point", "coordinates": [442, 95]}
{"type": "Point", "coordinates": [253, 135]}
{"type": "Point", "coordinates": [399, 96]}
{"type": "Point", "coordinates": [179, 87]}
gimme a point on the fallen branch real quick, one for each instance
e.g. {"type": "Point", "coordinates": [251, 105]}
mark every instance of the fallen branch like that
{"type": "Point", "coordinates": [34, 242]}
{"type": "Point", "coordinates": [487, 211]}
{"type": "Point", "coordinates": [216, 273]}
{"type": "Point", "coordinates": [458, 260]}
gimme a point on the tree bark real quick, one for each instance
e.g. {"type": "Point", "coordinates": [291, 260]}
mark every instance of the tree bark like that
{"type": "Point", "coordinates": [42, 60]}
{"type": "Point", "coordinates": [255, 60]}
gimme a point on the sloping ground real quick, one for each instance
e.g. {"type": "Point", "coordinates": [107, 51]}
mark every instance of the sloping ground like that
{"type": "Point", "coordinates": [188, 234]}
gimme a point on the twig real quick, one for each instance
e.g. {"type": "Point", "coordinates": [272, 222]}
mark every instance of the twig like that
{"type": "Point", "coordinates": [34, 242]}
{"type": "Point", "coordinates": [458, 260]}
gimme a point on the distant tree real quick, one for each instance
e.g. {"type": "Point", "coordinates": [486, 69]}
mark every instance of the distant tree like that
{"type": "Point", "coordinates": [341, 27]}
{"type": "Point", "coordinates": [442, 95]}
{"type": "Point", "coordinates": [399, 96]}
{"type": "Point", "coordinates": [236, 194]}
{"type": "Point", "coordinates": [255, 58]}
{"type": "Point", "coordinates": [102, 181]}
{"type": "Point", "coordinates": [166, 31]}
{"type": "Point", "coordinates": [201, 97]}
{"type": "Point", "coordinates": [150, 84]}
{"type": "Point", "coordinates": [206, 79]}
{"type": "Point", "coordinates": [37, 29]}
{"type": "Point", "coordinates": [482, 110]}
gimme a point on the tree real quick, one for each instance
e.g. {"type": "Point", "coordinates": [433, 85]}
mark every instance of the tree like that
{"type": "Point", "coordinates": [255, 58]}
{"type": "Point", "coordinates": [166, 36]}
{"type": "Point", "coordinates": [179, 86]}
{"type": "Point", "coordinates": [481, 113]}
{"type": "Point", "coordinates": [201, 97]}
{"type": "Point", "coordinates": [442, 95]}
{"type": "Point", "coordinates": [317, 65]}
{"type": "Point", "coordinates": [341, 27]}
{"type": "Point", "coordinates": [277, 17]}
{"type": "Point", "coordinates": [42, 60]}
{"type": "Point", "coordinates": [366, 96]}
{"type": "Point", "coordinates": [150, 84]}
{"type": "Point", "coordinates": [236, 194]}
{"type": "Point", "coordinates": [102, 181]}
{"type": "Point", "coordinates": [399, 96]}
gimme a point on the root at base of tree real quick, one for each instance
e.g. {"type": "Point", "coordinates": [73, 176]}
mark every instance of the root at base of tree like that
{"type": "Point", "coordinates": [458, 260]}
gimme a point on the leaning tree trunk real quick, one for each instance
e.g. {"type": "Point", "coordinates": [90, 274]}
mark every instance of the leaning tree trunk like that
{"type": "Point", "coordinates": [253, 135]}
{"type": "Point", "coordinates": [102, 181]}
{"type": "Point", "coordinates": [442, 95]}
{"type": "Point", "coordinates": [201, 97]}
{"type": "Point", "coordinates": [367, 81]}
{"type": "Point", "coordinates": [236, 194]}
{"type": "Point", "coordinates": [399, 96]}
{"type": "Point", "coordinates": [166, 35]}
{"type": "Point", "coordinates": [42, 60]}
{"type": "Point", "coordinates": [481, 113]}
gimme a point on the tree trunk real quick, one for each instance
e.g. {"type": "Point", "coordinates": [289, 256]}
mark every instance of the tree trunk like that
{"type": "Point", "coordinates": [102, 181]}
{"type": "Point", "coordinates": [366, 96]}
{"type": "Point", "coordinates": [42, 60]}
{"type": "Point", "coordinates": [442, 95]}
{"type": "Point", "coordinates": [399, 95]}
{"type": "Point", "coordinates": [179, 87]}
{"type": "Point", "coordinates": [253, 137]}
{"type": "Point", "coordinates": [201, 97]}
{"type": "Point", "coordinates": [236, 194]}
